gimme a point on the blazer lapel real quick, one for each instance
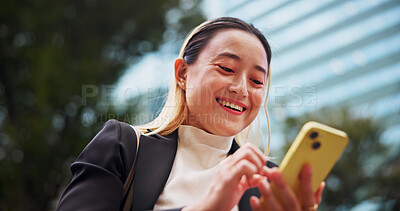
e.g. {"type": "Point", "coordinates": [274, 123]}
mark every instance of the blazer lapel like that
{"type": "Point", "coordinates": [154, 163]}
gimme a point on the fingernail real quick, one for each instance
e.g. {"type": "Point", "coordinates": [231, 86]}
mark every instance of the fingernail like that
{"type": "Point", "coordinates": [266, 184]}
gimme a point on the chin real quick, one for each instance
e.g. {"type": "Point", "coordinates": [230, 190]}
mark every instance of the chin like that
{"type": "Point", "coordinates": [228, 131]}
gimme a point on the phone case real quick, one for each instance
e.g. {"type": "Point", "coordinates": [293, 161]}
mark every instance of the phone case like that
{"type": "Point", "coordinates": [318, 145]}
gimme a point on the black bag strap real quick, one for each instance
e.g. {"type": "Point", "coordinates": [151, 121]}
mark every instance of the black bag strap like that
{"type": "Point", "coordinates": [128, 186]}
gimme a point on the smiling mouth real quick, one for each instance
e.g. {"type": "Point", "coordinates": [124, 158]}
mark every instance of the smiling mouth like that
{"type": "Point", "coordinates": [231, 105]}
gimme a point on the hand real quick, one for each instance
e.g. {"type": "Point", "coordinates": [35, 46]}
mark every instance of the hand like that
{"type": "Point", "coordinates": [309, 200]}
{"type": "Point", "coordinates": [237, 173]}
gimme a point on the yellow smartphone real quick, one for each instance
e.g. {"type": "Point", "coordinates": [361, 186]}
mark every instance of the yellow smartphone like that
{"type": "Point", "coordinates": [318, 145]}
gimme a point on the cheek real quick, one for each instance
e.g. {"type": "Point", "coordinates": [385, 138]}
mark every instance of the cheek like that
{"type": "Point", "coordinates": [199, 93]}
{"type": "Point", "coordinates": [258, 98]}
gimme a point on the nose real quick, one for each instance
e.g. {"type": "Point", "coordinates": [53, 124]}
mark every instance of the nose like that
{"type": "Point", "coordinates": [239, 86]}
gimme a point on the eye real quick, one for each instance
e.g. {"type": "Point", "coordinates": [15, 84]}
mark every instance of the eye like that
{"type": "Point", "coordinates": [257, 81]}
{"type": "Point", "coordinates": [226, 69]}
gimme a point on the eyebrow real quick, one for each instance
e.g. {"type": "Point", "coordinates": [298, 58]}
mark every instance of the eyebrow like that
{"type": "Point", "coordinates": [236, 57]}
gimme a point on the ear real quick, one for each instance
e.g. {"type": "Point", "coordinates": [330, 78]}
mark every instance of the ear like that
{"type": "Point", "coordinates": [181, 72]}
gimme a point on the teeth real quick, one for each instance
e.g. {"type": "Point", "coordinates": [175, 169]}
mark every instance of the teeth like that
{"type": "Point", "coordinates": [229, 104]}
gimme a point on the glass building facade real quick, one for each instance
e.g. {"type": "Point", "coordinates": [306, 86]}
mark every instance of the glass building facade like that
{"type": "Point", "coordinates": [328, 53]}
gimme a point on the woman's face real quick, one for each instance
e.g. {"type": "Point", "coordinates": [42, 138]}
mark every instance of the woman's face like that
{"type": "Point", "coordinates": [225, 86]}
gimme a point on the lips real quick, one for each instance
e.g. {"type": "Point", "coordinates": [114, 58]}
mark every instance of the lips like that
{"type": "Point", "coordinates": [231, 105]}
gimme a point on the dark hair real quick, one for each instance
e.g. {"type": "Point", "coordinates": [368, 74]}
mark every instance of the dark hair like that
{"type": "Point", "coordinates": [205, 32]}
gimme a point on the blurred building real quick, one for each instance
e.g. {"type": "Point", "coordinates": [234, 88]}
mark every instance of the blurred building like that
{"type": "Point", "coordinates": [328, 53]}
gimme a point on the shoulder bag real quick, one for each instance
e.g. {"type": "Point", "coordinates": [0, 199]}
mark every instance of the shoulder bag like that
{"type": "Point", "coordinates": [128, 186]}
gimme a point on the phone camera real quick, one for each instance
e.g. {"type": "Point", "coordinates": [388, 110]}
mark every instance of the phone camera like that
{"type": "Point", "coordinates": [316, 145]}
{"type": "Point", "coordinates": [314, 135]}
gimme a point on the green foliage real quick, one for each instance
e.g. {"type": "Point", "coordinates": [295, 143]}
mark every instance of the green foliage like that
{"type": "Point", "coordinates": [49, 52]}
{"type": "Point", "coordinates": [365, 172]}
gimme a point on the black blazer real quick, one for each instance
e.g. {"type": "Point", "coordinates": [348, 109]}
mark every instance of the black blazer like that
{"type": "Point", "coordinates": [100, 171]}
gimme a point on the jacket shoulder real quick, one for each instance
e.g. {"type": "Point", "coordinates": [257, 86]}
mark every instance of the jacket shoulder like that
{"type": "Point", "coordinates": [100, 170]}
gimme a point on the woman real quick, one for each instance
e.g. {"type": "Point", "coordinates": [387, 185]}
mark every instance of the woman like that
{"type": "Point", "coordinates": [189, 156]}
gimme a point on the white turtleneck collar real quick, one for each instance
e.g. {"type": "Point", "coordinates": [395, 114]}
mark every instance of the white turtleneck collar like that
{"type": "Point", "coordinates": [208, 148]}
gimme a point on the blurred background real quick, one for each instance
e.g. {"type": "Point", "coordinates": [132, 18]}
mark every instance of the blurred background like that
{"type": "Point", "coordinates": [66, 67]}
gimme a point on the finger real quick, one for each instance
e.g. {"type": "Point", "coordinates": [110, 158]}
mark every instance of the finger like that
{"type": "Point", "coordinates": [265, 171]}
{"type": "Point", "coordinates": [245, 167]}
{"type": "Point", "coordinates": [258, 152]}
{"type": "Point", "coordinates": [234, 173]}
{"type": "Point", "coordinates": [269, 200]}
{"type": "Point", "coordinates": [247, 152]}
{"type": "Point", "coordinates": [306, 190]}
{"type": "Point", "coordinates": [228, 160]}
{"type": "Point", "coordinates": [255, 204]}
{"type": "Point", "coordinates": [318, 194]}
{"type": "Point", "coordinates": [283, 190]}
{"type": "Point", "coordinates": [244, 184]}
{"type": "Point", "coordinates": [255, 180]}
